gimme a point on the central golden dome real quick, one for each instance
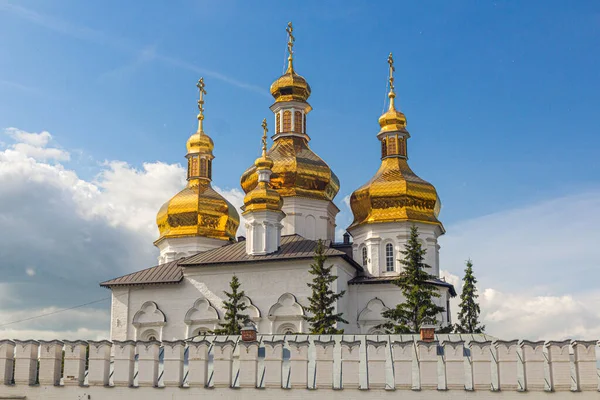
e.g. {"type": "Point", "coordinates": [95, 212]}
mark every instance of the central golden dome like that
{"type": "Point", "coordinates": [290, 87]}
{"type": "Point", "coordinates": [297, 171]}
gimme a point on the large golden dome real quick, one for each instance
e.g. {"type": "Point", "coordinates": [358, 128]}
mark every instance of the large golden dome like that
{"type": "Point", "coordinates": [395, 194]}
{"type": "Point", "coordinates": [198, 210]}
{"type": "Point", "coordinates": [297, 171]}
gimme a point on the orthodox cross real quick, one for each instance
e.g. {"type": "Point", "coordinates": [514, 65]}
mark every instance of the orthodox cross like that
{"type": "Point", "coordinates": [200, 86]}
{"type": "Point", "coordinates": [392, 70]}
{"type": "Point", "coordinates": [291, 38]}
{"type": "Point", "coordinates": [264, 137]}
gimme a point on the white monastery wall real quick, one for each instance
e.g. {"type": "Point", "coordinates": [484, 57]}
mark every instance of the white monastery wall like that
{"type": "Point", "coordinates": [174, 248]}
{"type": "Point", "coordinates": [375, 237]}
{"type": "Point", "coordinates": [301, 366]}
{"type": "Point", "coordinates": [274, 290]}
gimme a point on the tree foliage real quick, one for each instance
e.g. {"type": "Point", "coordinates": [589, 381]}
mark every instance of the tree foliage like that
{"type": "Point", "coordinates": [322, 318]}
{"type": "Point", "coordinates": [418, 307]}
{"type": "Point", "coordinates": [468, 316]}
{"type": "Point", "coordinates": [234, 307]}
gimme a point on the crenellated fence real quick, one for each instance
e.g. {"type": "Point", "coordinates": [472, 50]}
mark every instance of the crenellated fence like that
{"type": "Point", "coordinates": [450, 367]}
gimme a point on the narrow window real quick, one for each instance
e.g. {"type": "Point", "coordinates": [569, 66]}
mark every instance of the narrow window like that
{"type": "Point", "coordinates": [304, 123]}
{"type": "Point", "coordinates": [298, 122]}
{"type": "Point", "coordinates": [391, 145]}
{"type": "Point", "coordinates": [287, 121]}
{"type": "Point", "coordinates": [364, 256]}
{"type": "Point", "coordinates": [277, 123]}
{"type": "Point", "coordinates": [402, 145]}
{"type": "Point", "coordinates": [209, 169]}
{"type": "Point", "coordinates": [383, 148]}
{"type": "Point", "coordinates": [203, 172]}
{"type": "Point", "coordinates": [389, 257]}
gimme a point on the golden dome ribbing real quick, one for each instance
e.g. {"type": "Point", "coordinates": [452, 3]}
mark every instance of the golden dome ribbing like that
{"type": "Point", "coordinates": [198, 210]}
{"type": "Point", "coordinates": [263, 197]}
{"type": "Point", "coordinates": [395, 193]}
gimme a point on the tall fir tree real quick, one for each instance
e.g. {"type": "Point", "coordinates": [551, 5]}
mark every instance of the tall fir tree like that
{"type": "Point", "coordinates": [418, 307]}
{"type": "Point", "coordinates": [234, 319]}
{"type": "Point", "coordinates": [468, 316]}
{"type": "Point", "coordinates": [322, 300]}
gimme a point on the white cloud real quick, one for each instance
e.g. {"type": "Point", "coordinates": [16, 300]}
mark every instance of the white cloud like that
{"type": "Point", "coordinates": [30, 271]}
{"type": "Point", "coordinates": [538, 267]}
{"type": "Point", "coordinates": [34, 145]}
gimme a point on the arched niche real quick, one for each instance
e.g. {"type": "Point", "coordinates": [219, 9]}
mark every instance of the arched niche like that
{"type": "Point", "coordinates": [202, 317]}
{"type": "Point", "coordinates": [149, 320]}
{"type": "Point", "coordinates": [251, 310]}
{"type": "Point", "coordinates": [370, 316]}
{"type": "Point", "coordinates": [286, 315]}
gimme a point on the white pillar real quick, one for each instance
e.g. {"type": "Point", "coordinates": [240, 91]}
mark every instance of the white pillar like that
{"type": "Point", "coordinates": [428, 365]}
{"type": "Point", "coordinates": [454, 363]}
{"type": "Point", "coordinates": [222, 357]}
{"type": "Point", "coordinates": [404, 356]}
{"type": "Point", "coordinates": [148, 352]}
{"type": "Point", "coordinates": [324, 364]}
{"type": "Point", "coordinates": [50, 362]}
{"type": "Point", "coordinates": [350, 364]}
{"type": "Point", "coordinates": [273, 363]}
{"type": "Point", "coordinates": [7, 361]}
{"type": "Point", "coordinates": [560, 365]}
{"type": "Point", "coordinates": [298, 364]}
{"type": "Point", "coordinates": [506, 353]}
{"type": "Point", "coordinates": [26, 353]}
{"type": "Point", "coordinates": [173, 355]}
{"type": "Point", "coordinates": [481, 365]}
{"type": "Point", "coordinates": [99, 363]}
{"type": "Point", "coordinates": [74, 373]}
{"type": "Point", "coordinates": [123, 363]}
{"type": "Point", "coordinates": [376, 352]}
{"type": "Point", "coordinates": [585, 365]}
{"type": "Point", "coordinates": [534, 363]}
{"type": "Point", "coordinates": [248, 364]}
{"type": "Point", "coordinates": [198, 363]}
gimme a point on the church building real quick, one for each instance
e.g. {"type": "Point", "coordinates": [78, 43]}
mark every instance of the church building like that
{"type": "Point", "coordinates": [288, 207]}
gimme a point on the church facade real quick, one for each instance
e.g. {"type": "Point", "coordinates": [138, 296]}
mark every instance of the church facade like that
{"type": "Point", "coordinates": [288, 207]}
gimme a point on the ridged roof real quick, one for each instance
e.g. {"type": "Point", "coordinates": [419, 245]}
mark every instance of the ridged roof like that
{"type": "Point", "coordinates": [164, 273]}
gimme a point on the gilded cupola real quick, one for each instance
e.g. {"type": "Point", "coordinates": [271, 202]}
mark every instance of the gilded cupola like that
{"type": "Point", "coordinates": [395, 193]}
{"type": "Point", "coordinates": [263, 197]}
{"type": "Point", "coordinates": [198, 210]}
{"type": "Point", "coordinates": [297, 170]}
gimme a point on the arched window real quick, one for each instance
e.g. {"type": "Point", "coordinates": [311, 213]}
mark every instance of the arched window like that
{"type": "Point", "coordinates": [203, 169]}
{"type": "Point", "coordinates": [277, 123]}
{"type": "Point", "coordinates": [391, 150]}
{"type": "Point", "coordinates": [287, 121]}
{"type": "Point", "coordinates": [402, 145]}
{"type": "Point", "coordinates": [298, 122]}
{"type": "Point", "coordinates": [383, 148]}
{"type": "Point", "coordinates": [389, 257]}
{"type": "Point", "coordinates": [209, 169]}
{"type": "Point", "coordinates": [364, 256]}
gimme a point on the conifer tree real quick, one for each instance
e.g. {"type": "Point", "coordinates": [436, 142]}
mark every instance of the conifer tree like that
{"type": "Point", "coordinates": [234, 319]}
{"type": "Point", "coordinates": [418, 307]}
{"type": "Point", "coordinates": [468, 316]}
{"type": "Point", "coordinates": [322, 300]}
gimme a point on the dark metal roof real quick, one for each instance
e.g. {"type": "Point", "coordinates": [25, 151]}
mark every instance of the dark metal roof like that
{"type": "Point", "coordinates": [370, 280]}
{"type": "Point", "coordinates": [165, 273]}
{"type": "Point", "coordinates": [292, 247]}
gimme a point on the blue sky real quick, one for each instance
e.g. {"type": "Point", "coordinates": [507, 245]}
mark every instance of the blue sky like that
{"type": "Point", "coordinates": [501, 97]}
{"type": "Point", "coordinates": [97, 100]}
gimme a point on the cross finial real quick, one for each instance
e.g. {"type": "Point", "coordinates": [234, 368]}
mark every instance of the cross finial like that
{"type": "Point", "coordinates": [392, 70]}
{"type": "Point", "coordinates": [264, 137]}
{"type": "Point", "coordinates": [290, 44]}
{"type": "Point", "coordinates": [200, 85]}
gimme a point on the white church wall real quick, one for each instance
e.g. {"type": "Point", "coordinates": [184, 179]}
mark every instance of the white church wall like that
{"type": "Point", "coordinates": [174, 248]}
{"type": "Point", "coordinates": [386, 366]}
{"type": "Point", "coordinates": [263, 283]}
{"type": "Point", "coordinates": [310, 218]}
{"type": "Point", "coordinates": [375, 237]}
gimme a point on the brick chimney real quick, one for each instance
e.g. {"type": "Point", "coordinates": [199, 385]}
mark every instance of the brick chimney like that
{"type": "Point", "coordinates": [427, 333]}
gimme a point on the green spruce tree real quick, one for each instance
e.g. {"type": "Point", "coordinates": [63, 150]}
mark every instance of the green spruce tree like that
{"type": "Point", "coordinates": [322, 300]}
{"type": "Point", "coordinates": [468, 316]}
{"type": "Point", "coordinates": [418, 307]}
{"type": "Point", "coordinates": [234, 319]}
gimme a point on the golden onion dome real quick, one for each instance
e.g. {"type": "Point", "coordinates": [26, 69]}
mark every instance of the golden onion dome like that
{"type": "Point", "coordinates": [198, 210]}
{"type": "Point", "coordinates": [297, 171]}
{"type": "Point", "coordinates": [290, 87]}
{"type": "Point", "coordinates": [263, 162]}
{"type": "Point", "coordinates": [392, 120]}
{"type": "Point", "coordinates": [395, 194]}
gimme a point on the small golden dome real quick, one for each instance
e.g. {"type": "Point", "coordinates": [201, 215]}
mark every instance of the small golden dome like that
{"type": "Point", "coordinates": [297, 171]}
{"type": "Point", "coordinates": [395, 194]}
{"type": "Point", "coordinates": [290, 87]}
{"type": "Point", "coordinates": [201, 143]}
{"type": "Point", "coordinates": [262, 197]}
{"type": "Point", "coordinates": [263, 163]}
{"type": "Point", "coordinates": [392, 120]}
{"type": "Point", "coordinates": [198, 210]}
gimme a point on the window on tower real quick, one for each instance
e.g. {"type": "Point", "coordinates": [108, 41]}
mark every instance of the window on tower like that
{"type": "Point", "coordinates": [277, 123]}
{"type": "Point", "coordinates": [383, 147]}
{"type": "Point", "coordinates": [364, 256]}
{"type": "Point", "coordinates": [389, 257]}
{"type": "Point", "coordinates": [391, 146]}
{"type": "Point", "coordinates": [287, 121]}
{"type": "Point", "coordinates": [203, 168]}
{"type": "Point", "coordinates": [304, 123]}
{"type": "Point", "coordinates": [298, 121]}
